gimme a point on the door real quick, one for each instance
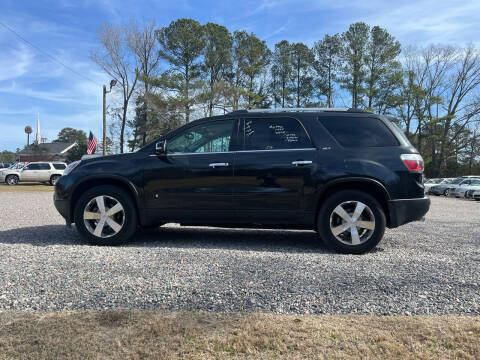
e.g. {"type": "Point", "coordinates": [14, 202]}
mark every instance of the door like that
{"type": "Point", "coordinates": [273, 171]}
{"type": "Point", "coordinates": [31, 172]}
{"type": "Point", "coordinates": [193, 180]}
{"type": "Point", "coordinates": [44, 172]}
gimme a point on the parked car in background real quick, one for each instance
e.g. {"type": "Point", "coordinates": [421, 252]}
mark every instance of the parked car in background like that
{"type": "Point", "coordinates": [348, 174]}
{"type": "Point", "coordinates": [447, 187]}
{"type": "Point", "coordinates": [466, 181]}
{"type": "Point", "coordinates": [476, 195]}
{"type": "Point", "coordinates": [461, 190]}
{"type": "Point", "coordinates": [14, 166]}
{"type": "Point", "coordinates": [34, 172]}
{"type": "Point", "coordinates": [431, 182]}
{"type": "Point", "coordinates": [4, 165]}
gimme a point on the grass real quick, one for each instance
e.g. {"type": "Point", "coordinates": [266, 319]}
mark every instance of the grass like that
{"type": "Point", "coordinates": [23, 187]}
{"type": "Point", "coordinates": [198, 335]}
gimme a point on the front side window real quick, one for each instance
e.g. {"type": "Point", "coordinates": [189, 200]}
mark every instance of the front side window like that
{"type": "Point", "coordinates": [205, 138]}
{"type": "Point", "coordinates": [271, 134]}
{"type": "Point", "coordinates": [33, 167]}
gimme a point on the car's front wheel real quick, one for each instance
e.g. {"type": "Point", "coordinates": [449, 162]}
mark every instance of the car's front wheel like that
{"type": "Point", "coordinates": [12, 180]}
{"type": "Point", "coordinates": [106, 215]}
{"type": "Point", "coordinates": [351, 221]}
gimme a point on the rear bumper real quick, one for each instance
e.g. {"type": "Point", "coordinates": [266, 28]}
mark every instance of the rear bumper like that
{"type": "Point", "coordinates": [407, 210]}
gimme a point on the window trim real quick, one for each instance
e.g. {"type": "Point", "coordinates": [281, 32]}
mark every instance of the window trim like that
{"type": "Point", "coordinates": [270, 118]}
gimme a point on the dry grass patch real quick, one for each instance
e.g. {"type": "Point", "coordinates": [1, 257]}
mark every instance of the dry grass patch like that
{"type": "Point", "coordinates": [199, 335]}
{"type": "Point", "coordinates": [25, 187]}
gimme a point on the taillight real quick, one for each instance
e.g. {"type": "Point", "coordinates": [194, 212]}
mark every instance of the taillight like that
{"type": "Point", "coordinates": [414, 162]}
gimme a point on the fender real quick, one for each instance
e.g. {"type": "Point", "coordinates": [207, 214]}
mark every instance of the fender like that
{"type": "Point", "coordinates": [351, 179]}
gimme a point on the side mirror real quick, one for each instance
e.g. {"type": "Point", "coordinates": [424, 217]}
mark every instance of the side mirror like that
{"type": "Point", "coordinates": [161, 147]}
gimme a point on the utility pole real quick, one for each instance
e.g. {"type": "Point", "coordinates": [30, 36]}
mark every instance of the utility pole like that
{"type": "Point", "coordinates": [105, 92]}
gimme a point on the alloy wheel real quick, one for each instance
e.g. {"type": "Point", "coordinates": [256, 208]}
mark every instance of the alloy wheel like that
{"type": "Point", "coordinates": [12, 180]}
{"type": "Point", "coordinates": [104, 216]}
{"type": "Point", "coordinates": [352, 222]}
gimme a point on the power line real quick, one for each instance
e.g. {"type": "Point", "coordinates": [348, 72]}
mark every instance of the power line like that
{"type": "Point", "coordinates": [47, 54]}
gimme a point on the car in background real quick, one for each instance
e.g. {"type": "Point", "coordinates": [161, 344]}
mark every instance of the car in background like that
{"type": "Point", "coordinates": [15, 166]}
{"type": "Point", "coordinates": [476, 195]}
{"type": "Point", "coordinates": [462, 190]}
{"type": "Point", "coordinates": [431, 182]}
{"type": "Point", "coordinates": [34, 172]}
{"type": "Point", "coordinates": [466, 181]}
{"type": "Point", "coordinates": [440, 188]}
{"type": "Point", "coordinates": [449, 187]}
{"type": "Point", "coordinates": [5, 165]}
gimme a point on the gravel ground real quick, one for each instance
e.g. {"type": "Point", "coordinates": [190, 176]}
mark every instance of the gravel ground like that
{"type": "Point", "coordinates": [429, 267]}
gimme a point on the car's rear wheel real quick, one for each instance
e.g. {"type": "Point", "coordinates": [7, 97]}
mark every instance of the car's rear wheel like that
{"type": "Point", "coordinates": [12, 180]}
{"type": "Point", "coordinates": [351, 221]}
{"type": "Point", "coordinates": [446, 193]}
{"type": "Point", "coordinates": [53, 179]}
{"type": "Point", "coordinates": [106, 215]}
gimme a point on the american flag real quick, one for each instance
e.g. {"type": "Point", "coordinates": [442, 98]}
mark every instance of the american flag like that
{"type": "Point", "coordinates": [92, 144]}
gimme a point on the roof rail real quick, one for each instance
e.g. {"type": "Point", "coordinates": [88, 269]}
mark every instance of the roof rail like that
{"type": "Point", "coordinates": [279, 110]}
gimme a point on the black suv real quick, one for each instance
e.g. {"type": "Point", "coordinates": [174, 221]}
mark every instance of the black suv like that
{"type": "Point", "coordinates": [345, 173]}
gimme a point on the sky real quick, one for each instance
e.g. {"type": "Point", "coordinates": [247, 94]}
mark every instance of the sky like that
{"type": "Point", "coordinates": [32, 83]}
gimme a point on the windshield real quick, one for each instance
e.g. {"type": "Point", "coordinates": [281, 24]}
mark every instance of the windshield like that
{"type": "Point", "coordinates": [475, 183]}
{"type": "Point", "coordinates": [457, 181]}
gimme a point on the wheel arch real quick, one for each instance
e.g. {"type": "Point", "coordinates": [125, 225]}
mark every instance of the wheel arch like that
{"type": "Point", "coordinates": [116, 181]}
{"type": "Point", "coordinates": [372, 187]}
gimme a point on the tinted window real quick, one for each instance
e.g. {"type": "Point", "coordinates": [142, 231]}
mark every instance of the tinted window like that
{"type": "Point", "coordinates": [209, 137]}
{"type": "Point", "coordinates": [271, 133]}
{"type": "Point", "coordinates": [44, 166]}
{"type": "Point", "coordinates": [33, 167]}
{"type": "Point", "coordinates": [359, 131]}
{"type": "Point", "coordinates": [59, 166]}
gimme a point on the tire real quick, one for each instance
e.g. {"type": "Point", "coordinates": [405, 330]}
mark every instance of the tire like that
{"type": "Point", "coordinates": [116, 228]}
{"type": "Point", "coordinates": [12, 180]}
{"type": "Point", "coordinates": [446, 193]}
{"type": "Point", "coordinates": [53, 179]}
{"type": "Point", "coordinates": [329, 220]}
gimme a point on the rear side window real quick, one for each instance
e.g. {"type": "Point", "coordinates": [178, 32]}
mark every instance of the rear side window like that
{"type": "Point", "coordinates": [59, 166]}
{"type": "Point", "coordinates": [275, 133]}
{"type": "Point", "coordinates": [359, 132]}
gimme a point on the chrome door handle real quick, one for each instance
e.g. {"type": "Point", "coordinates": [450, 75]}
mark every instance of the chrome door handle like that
{"type": "Point", "coordinates": [302, 162]}
{"type": "Point", "coordinates": [215, 165]}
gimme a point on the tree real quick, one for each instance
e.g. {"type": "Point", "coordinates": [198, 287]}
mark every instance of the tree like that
{"type": "Point", "coordinates": [144, 46]}
{"type": "Point", "coordinates": [116, 59]}
{"type": "Point", "coordinates": [326, 65]}
{"type": "Point", "coordinates": [70, 135]}
{"type": "Point", "coordinates": [216, 58]}
{"type": "Point", "coordinates": [381, 63]}
{"type": "Point", "coordinates": [181, 44]}
{"type": "Point", "coordinates": [7, 156]}
{"type": "Point", "coordinates": [255, 57]}
{"type": "Point", "coordinates": [354, 51]}
{"type": "Point", "coordinates": [281, 71]}
{"type": "Point", "coordinates": [302, 63]}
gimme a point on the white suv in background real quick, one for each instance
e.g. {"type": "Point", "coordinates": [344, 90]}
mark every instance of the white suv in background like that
{"type": "Point", "coordinates": [34, 172]}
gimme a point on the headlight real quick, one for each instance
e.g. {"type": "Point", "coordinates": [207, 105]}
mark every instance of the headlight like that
{"type": "Point", "coordinates": [70, 167]}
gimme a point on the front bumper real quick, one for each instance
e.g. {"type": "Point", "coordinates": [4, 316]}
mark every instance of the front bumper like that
{"type": "Point", "coordinates": [404, 211]}
{"type": "Point", "coordinates": [63, 207]}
